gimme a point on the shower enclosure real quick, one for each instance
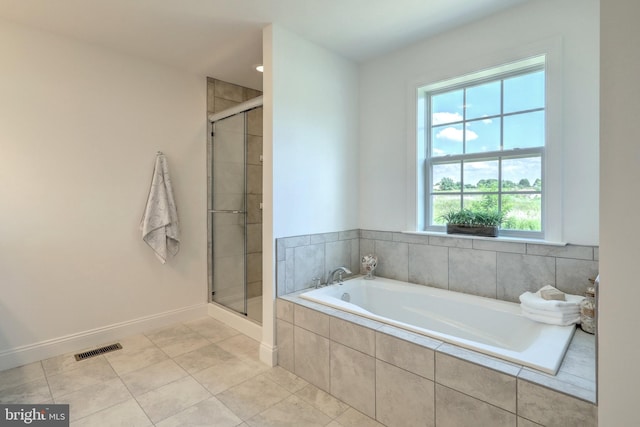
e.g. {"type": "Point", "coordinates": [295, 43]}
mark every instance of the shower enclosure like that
{"type": "Point", "coordinates": [235, 215]}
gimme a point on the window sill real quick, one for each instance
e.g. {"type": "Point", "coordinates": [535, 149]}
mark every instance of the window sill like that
{"type": "Point", "coordinates": [492, 239]}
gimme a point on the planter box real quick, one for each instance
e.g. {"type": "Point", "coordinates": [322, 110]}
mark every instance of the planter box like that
{"type": "Point", "coordinates": [473, 231]}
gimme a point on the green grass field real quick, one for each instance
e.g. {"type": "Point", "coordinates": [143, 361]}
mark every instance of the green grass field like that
{"type": "Point", "coordinates": [523, 211]}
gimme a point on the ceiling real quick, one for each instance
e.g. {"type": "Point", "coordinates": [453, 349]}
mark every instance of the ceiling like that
{"type": "Point", "coordinates": [223, 38]}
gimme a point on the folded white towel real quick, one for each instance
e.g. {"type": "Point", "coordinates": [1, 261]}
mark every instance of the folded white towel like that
{"type": "Point", "coordinates": [569, 309]}
{"type": "Point", "coordinates": [551, 320]}
{"type": "Point", "coordinates": [159, 224]}
{"type": "Point", "coordinates": [563, 316]}
{"type": "Point", "coordinates": [534, 300]}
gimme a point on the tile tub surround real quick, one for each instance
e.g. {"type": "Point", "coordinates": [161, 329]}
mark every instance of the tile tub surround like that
{"type": "Point", "coordinates": [300, 259]}
{"type": "Point", "coordinates": [486, 267]}
{"type": "Point", "coordinates": [402, 379]}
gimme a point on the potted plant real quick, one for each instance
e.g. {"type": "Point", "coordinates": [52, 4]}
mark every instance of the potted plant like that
{"type": "Point", "coordinates": [473, 222]}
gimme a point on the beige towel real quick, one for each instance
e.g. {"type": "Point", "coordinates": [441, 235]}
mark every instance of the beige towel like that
{"type": "Point", "coordinates": [159, 224]}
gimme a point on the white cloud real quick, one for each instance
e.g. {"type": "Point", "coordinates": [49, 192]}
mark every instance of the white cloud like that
{"type": "Point", "coordinates": [483, 165]}
{"type": "Point", "coordinates": [442, 118]}
{"type": "Point", "coordinates": [487, 121]}
{"type": "Point", "coordinates": [454, 134]}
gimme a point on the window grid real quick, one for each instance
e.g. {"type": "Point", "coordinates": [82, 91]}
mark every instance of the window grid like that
{"type": "Point", "coordinates": [498, 156]}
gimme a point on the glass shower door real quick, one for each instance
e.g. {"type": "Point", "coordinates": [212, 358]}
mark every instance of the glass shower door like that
{"type": "Point", "coordinates": [228, 213]}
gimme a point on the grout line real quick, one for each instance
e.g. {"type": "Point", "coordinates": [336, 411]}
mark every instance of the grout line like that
{"type": "Point", "coordinates": [435, 369]}
{"type": "Point", "coordinates": [479, 400]}
{"type": "Point", "coordinates": [46, 378]}
{"type": "Point", "coordinates": [517, 386]}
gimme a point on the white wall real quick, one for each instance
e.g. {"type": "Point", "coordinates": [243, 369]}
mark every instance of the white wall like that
{"type": "Point", "coordinates": [79, 130]}
{"type": "Point", "coordinates": [619, 350]}
{"type": "Point", "coordinates": [310, 145]}
{"type": "Point", "coordinates": [315, 137]}
{"type": "Point", "coordinates": [384, 105]}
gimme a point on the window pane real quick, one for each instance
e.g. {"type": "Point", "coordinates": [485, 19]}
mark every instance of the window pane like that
{"type": "Point", "coordinates": [482, 136]}
{"type": "Point", "coordinates": [481, 202]}
{"type": "Point", "coordinates": [523, 212]}
{"type": "Point", "coordinates": [480, 176]}
{"type": "Point", "coordinates": [446, 107]}
{"type": "Point", "coordinates": [441, 205]}
{"type": "Point", "coordinates": [446, 177]}
{"type": "Point", "coordinates": [524, 92]}
{"type": "Point", "coordinates": [524, 130]}
{"type": "Point", "coordinates": [483, 100]}
{"type": "Point", "coordinates": [472, 136]}
{"type": "Point", "coordinates": [446, 140]}
{"type": "Point", "coordinates": [523, 174]}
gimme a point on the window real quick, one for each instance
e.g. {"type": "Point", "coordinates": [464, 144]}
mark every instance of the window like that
{"type": "Point", "coordinates": [483, 140]}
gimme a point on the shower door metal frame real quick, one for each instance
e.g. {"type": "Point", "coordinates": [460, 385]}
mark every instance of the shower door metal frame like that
{"type": "Point", "coordinates": [243, 212]}
{"type": "Point", "coordinates": [243, 109]}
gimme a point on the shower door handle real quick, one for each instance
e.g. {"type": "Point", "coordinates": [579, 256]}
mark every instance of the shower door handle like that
{"type": "Point", "coordinates": [226, 211]}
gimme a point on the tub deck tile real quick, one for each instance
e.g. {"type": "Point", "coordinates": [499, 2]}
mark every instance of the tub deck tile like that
{"type": "Point", "coordinates": [410, 356]}
{"type": "Point", "coordinates": [480, 359]}
{"type": "Point", "coordinates": [455, 409]}
{"type": "Point", "coordinates": [403, 398]}
{"type": "Point", "coordinates": [311, 357]}
{"type": "Point", "coordinates": [285, 342]}
{"type": "Point", "coordinates": [575, 378]}
{"type": "Point", "coordinates": [358, 320]}
{"type": "Point", "coordinates": [488, 385]}
{"type": "Point", "coordinates": [580, 359]}
{"type": "Point", "coordinates": [284, 310]}
{"type": "Point", "coordinates": [353, 336]}
{"type": "Point", "coordinates": [412, 337]}
{"type": "Point", "coordinates": [353, 378]}
{"type": "Point", "coordinates": [562, 382]}
{"type": "Point", "coordinates": [551, 408]}
{"type": "Point", "coordinates": [311, 320]}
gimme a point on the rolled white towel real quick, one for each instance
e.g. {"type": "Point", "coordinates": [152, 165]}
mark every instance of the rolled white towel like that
{"type": "Point", "coordinates": [562, 316]}
{"type": "Point", "coordinates": [551, 320]}
{"type": "Point", "coordinates": [534, 300]}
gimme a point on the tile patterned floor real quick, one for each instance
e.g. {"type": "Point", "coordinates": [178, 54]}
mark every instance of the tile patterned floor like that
{"type": "Point", "coordinates": [197, 373]}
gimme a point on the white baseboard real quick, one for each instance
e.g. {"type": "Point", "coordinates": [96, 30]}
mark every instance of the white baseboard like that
{"type": "Point", "coordinates": [268, 354]}
{"type": "Point", "coordinates": [236, 321]}
{"type": "Point", "coordinates": [99, 336]}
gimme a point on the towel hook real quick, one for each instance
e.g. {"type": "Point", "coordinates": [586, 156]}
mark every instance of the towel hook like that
{"type": "Point", "coordinates": [159, 153]}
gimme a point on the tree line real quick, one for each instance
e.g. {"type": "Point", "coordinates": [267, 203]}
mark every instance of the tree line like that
{"type": "Point", "coordinates": [448, 184]}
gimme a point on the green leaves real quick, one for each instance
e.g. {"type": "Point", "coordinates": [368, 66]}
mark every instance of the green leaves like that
{"type": "Point", "coordinates": [474, 218]}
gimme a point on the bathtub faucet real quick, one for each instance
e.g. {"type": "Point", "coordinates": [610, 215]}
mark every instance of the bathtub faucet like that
{"type": "Point", "coordinates": [340, 271]}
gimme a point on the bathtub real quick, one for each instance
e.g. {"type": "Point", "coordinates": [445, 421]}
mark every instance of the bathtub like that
{"type": "Point", "coordinates": [485, 325]}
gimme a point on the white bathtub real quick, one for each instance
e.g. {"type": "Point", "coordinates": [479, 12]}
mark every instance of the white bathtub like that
{"type": "Point", "coordinates": [483, 324]}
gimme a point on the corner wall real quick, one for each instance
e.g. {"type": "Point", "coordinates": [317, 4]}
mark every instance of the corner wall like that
{"type": "Point", "coordinates": [310, 144]}
{"type": "Point", "coordinates": [79, 130]}
{"type": "Point", "coordinates": [315, 138]}
{"type": "Point", "coordinates": [619, 351]}
{"type": "Point", "coordinates": [385, 107]}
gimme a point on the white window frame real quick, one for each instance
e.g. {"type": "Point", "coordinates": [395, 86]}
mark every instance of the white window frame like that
{"type": "Point", "coordinates": [490, 64]}
{"type": "Point", "coordinates": [493, 75]}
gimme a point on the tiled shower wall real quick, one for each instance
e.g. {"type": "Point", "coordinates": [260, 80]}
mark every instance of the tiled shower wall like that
{"type": "Point", "coordinates": [489, 268]}
{"type": "Point", "coordinates": [220, 96]}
